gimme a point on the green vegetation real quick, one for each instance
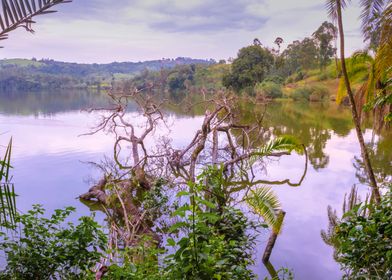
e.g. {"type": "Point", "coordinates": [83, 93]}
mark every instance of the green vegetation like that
{"type": "Point", "coordinates": [268, 90]}
{"type": "Point", "coordinates": [362, 239]}
{"type": "Point", "coordinates": [251, 66]}
{"type": "Point", "coordinates": [23, 74]}
{"type": "Point", "coordinates": [210, 239]}
{"type": "Point", "coordinates": [7, 192]}
{"type": "Point", "coordinates": [198, 198]}
{"type": "Point", "coordinates": [47, 248]}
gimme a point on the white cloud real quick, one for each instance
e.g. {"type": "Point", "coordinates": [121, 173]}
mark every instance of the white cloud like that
{"type": "Point", "coordinates": [134, 30]}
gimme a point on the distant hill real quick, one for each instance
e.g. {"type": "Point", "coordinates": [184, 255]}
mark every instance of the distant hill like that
{"type": "Point", "coordinates": [25, 74]}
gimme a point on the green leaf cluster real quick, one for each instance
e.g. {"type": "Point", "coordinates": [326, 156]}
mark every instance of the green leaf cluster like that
{"type": "Point", "coordinates": [49, 248]}
{"type": "Point", "coordinates": [363, 243]}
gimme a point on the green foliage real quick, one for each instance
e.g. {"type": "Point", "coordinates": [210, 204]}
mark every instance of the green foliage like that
{"type": "Point", "coordinates": [282, 274]}
{"type": "Point", "coordinates": [310, 93]}
{"type": "Point", "coordinates": [251, 66]}
{"type": "Point", "coordinates": [275, 79]}
{"type": "Point", "coordinates": [7, 192]}
{"type": "Point", "coordinates": [138, 263]}
{"type": "Point", "coordinates": [17, 74]}
{"type": "Point", "coordinates": [264, 202]}
{"type": "Point", "coordinates": [46, 248]}
{"type": "Point", "coordinates": [324, 36]}
{"type": "Point", "coordinates": [268, 90]}
{"type": "Point", "coordinates": [363, 240]}
{"type": "Point", "coordinates": [300, 55]}
{"type": "Point", "coordinates": [210, 239]}
{"type": "Point", "coordinates": [285, 143]}
{"type": "Point", "coordinates": [216, 244]}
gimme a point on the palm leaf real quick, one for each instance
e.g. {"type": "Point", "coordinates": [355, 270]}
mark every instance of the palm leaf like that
{"type": "Point", "coordinates": [7, 193]}
{"type": "Point", "coordinates": [265, 203]}
{"type": "Point", "coordinates": [20, 13]}
{"type": "Point", "coordinates": [332, 8]}
{"type": "Point", "coordinates": [371, 14]}
{"type": "Point", "coordinates": [282, 143]}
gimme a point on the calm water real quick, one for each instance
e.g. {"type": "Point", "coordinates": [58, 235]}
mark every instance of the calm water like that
{"type": "Point", "coordinates": [51, 164]}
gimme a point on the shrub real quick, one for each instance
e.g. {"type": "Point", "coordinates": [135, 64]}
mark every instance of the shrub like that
{"type": "Point", "coordinates": [323, 76]}
{"type": "Point", "coordinates": [42, 248]}
{"type": "Point", "coordinates": [318, 93]}
{"type": "Point", "coordinates": [216, 243]}
{"type": "Point", "coordinates": [301, 93]}
{"type": "Point", "coordinates": [310, 93]}
{"type": "Point", "coordinates": [210, 240]}
{"type": "Point", "coordinates": [363, 242]}
{"type": "Point", "coordinates": [289, 80]}
{"type": "Point", "coordinates": [268, 90]}
{"type": "Point", "coordinates": [275, 79]}
{"type": "Point", "coordinates": [299, 76]}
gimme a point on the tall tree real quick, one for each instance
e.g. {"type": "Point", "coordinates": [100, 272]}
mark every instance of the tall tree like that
{"type": "Point", "coordinates": [325, 36]}
{"type": "Point", "coordinates": [250, 67]}
{"type": "Point", "coordinates": [335, 8]}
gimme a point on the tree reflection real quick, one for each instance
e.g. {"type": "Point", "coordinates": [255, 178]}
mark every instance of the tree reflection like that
{"type": "Point", "coordinates": [380, 153]}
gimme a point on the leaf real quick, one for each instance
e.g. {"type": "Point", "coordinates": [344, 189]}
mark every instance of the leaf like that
{"type": "Point", "coordinates": [207, 203]}
{"type": "Point", "coordinates": [264, 202]}
{"type": "Point", "coordinates": [174, 228]}
{"type": "Point", "coordinates": [171, 242]}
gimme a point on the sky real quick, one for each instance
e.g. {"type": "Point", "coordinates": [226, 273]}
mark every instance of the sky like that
{"type": "Point", "coordinates": [103, 31]}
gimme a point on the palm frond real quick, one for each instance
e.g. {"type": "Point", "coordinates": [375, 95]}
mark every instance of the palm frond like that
{"type": "Point", "coordinates": [283, 143]}
{"type": "Point", "coordinates": [342, 91]}
{"type": "Point", "coordinates": [7, 192]}
{"type": "Point", "coordinates": [265, 203]}
{"type": "Point", "coordinates": [370, 16]}
{"type": "Point", "coordinates": [20, 13]}
{"type": "Point", "coordinates": [332, 8]}
{"type": "Point", "coordinates": [384, 52]}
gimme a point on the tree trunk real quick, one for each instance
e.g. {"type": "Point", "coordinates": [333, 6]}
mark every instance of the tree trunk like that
{"type": "Point", "coordinates": [365, 155]}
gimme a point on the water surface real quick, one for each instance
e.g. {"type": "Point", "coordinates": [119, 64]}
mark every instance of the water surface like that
{"type": "Point", "coordinates": [51, 164]}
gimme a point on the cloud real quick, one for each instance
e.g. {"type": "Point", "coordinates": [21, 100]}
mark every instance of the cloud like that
{"type": "Point", "coordinates": [133, 30]}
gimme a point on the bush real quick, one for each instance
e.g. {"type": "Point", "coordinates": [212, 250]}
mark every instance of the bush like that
{"type": "Point", "coordinates": [318, 93]}
{"type": "Point", "coordinates": [44, 249]}
{"type": "Point", "coordinates": [290, 80]}
{"type": "Point", "coordinates": [268, 90]}
{"type": "Point", "coordinates": [209, 241]}
{"type": "Point", "coordinates": [216, 244]}
{"type": "Point", "coordinates": [275, 79]}
{"type": "Point", "coordinates": [323, 76]}
{"type": "Point", "coordinates": [301, 93]}
{"type": "Point", "coordinates": [363, 242]}
{"type": "Point", "coordinates": [310, 93]}
{"type": "Point", "coordinates": [299, 76]}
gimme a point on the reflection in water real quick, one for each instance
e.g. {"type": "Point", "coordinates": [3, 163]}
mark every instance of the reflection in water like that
{"type": "Point", "coordinates": [45, 127]}
{"type": "Point", "coordinates": [49, 103]}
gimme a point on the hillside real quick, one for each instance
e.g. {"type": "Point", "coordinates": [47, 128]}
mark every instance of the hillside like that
{"type": "Point", "coordinates": [25, 74]}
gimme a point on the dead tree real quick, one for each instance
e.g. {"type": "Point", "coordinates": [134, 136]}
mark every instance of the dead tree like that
{"type": "Point", "coordinates": [222, 140]}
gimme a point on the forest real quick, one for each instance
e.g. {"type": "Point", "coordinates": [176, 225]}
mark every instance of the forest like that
{"type": "Point", "coordinates": [273, 164]}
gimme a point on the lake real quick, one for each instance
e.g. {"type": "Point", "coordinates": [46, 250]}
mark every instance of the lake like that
{"type": "Point", "coordinates": [51, 164]}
